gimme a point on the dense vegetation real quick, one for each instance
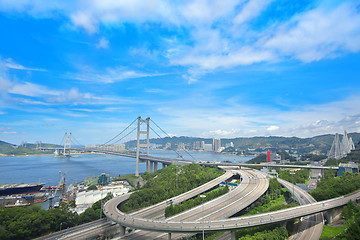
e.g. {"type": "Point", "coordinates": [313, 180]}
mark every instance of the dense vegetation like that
{"type": "Point", "coordinates": [32, 221]}
{"type": "Point", "coordinates": [263, 232]}
{"type": "Point", "coordinates": [335, 187]}
{"type": "Point", "coordinates": [175, 209]}
{"type": "Point", "coordinates": [258, 159]}
{"type": "Point", "coordinates": [312, 157]}
{"type": "Point", "coordinates": [274, 192]}
{"type": "Point", "coordinates": [161, 185]}
{"type": "Point", "coordinates": [351, 228]}
{"type": "Point", "coordinates": [300, 176]}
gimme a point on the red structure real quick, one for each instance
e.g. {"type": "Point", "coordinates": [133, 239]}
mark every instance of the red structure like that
{"type": "Point", "coordinates": [268, 156]}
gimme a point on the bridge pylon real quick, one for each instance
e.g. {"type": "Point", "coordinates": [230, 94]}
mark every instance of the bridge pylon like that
{"type": "Point", "coordinates": [139, 145]}
{"type": "Point", "coordinates": [67, 142]}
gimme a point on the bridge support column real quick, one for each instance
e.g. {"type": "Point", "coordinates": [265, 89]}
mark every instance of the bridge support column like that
{"type": "Point", "coordinates": [322, 173]}
{"type": "Point", "coordinates": [148, 165]}
{"type": "Point", "coordinates": [331, 214]}
{"type": "Point", "coordinates": [169, 236]}
{"type": "Point", "coordinates": [151, 167]}
{"type": "Point", "coordinates": [155, 166]}
{"type": "Point", "coordinates": [122, 230]}
{"type": "Point", "coordinates": [310, 173]}
{"type": "Point", "coordinates": [163, 165]}
{"type": "Point", "coordinates": [233, 235]}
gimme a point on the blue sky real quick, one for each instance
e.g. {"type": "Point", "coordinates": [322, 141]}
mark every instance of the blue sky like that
{"type": "Point", "coordinates": [197, 68]}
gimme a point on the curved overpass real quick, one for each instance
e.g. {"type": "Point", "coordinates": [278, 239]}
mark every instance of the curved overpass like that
{"type": "Point", "coordinates": [311, 227]}
{"type": "Point", "coordinates": [124, 219]}
{"type": "Point", "coordinates": [254, 185]}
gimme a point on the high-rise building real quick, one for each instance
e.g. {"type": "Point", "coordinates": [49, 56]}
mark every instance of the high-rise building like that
{"type": "Point", "coordinates": [196, 145]}
{"type": "Point", "coordinates": [208, 147]}
{"type": "Point", "coordinates": [216, 144]}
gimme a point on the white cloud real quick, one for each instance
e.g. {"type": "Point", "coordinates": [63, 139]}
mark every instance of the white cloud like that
{"type": "Point", "coordinates": [110, 75]}
{"type": "Point", "coordinates": [103, 43]}
{"type": "Point", "coordinates": [31, 90]}
{"type": "Point", "coordinates": [9, 63]}
{"type": "Point", "coordinates": [250, 10]}
{"type": "Point", "coordinates": [84, 20]}
{"type": "Point", "coordinates": [236, 120]}
{"type": "Point", "coordinates": [273, 128]}
{"type": "Point", "coordinates": [319, 33]}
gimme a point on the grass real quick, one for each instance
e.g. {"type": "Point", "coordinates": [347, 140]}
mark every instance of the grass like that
{"type": "Point", "coordinates": [329, 232]}
{"type": "Point", "coordinates": [130, 178]}
{"type": "Point", "coordinates": [271, 206]}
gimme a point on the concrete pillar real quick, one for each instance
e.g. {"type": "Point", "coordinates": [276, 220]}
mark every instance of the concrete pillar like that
{"type": "Point", "coordinates": [122, 230]}
{"type": "Point", "coordinates": [163, 165]}
{"type": "Point", "coordinates": [233, 235]}
{"type": "Point", "coordinates": [148, 165]}
{"type": "Point", "coordinates": [322, 173]}
{"type": "Point", "coordinates": [309, 173]}
{"type": "Point", "coordinates": [169, 236]}
{"type": "Point", "coordinates": [155, 166]}
{"type": "Point", "coordinates": [151, 167]}
{"type": "Point", "coordinates": [330, 214]}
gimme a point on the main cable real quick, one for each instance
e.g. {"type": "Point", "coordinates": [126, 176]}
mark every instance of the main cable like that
{"type": "Point", "coordinates": [160, 137]}
{"type": "Point", "coordinates": [169, 137]}
{"type": "Point", "coordinates": [126, 135]}
{"type": "Point", "coordinates": [121, 132]}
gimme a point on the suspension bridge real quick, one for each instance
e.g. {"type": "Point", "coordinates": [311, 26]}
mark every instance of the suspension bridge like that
{"type": "Point", "coordinates": [134, 142]}
{"type": "Point", "coordinates": [122, 144]}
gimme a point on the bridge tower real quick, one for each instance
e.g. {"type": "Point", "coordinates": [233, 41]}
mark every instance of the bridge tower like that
{"type": "Point", "coordinates": [67, 143]}
{"type": "Point", "coordinates": [139, 145]}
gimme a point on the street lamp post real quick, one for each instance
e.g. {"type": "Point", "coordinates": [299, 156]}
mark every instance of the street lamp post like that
{"type": "Point", "coordinates": [293, 173]}
{"type": "Point", "coordinates": [176, 177]}
{"type": "Point", "coordinates": [101, 205]}
{"type": "Point", "coordinates": [202, 199]}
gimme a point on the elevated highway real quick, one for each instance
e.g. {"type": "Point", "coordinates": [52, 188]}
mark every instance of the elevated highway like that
{"type": "Point", "coordinates": [254, 185]}
{"type": "Point", "coordinates": [93, 228]}
{"type": "Point", "coordinates": [172, 226]}
{"type": "Point", "coordinates": [170, 161]}
{"type": "Point", "coordinates": [311, 226]}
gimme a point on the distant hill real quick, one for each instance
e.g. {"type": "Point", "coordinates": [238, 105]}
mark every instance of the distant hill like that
{"type": "Point", "coordinates": [320, 143]}
{"type": "Point", "coordinates": [4, 146]}
{"type": "Point", "coordinates": [23, 149]}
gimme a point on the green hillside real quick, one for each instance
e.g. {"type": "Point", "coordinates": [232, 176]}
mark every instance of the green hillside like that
{"type": "Point", "coordinates": [24, 149]}
{"type": "Point", "coordinates": [4, 146]}
{"type": "Point", "coordinates": [320, 143]}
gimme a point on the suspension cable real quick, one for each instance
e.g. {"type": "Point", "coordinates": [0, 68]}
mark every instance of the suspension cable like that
{"type": "Point", "coordinates": [170, 137]}
{"type": "Point", "coordinates": [120, 132]}
{"type": "Point", "coordinates": [161, 137]}
{"type": "Point", "coordinates": [76, 141]}
{"type": "Point", "coordinates": [126, 135]}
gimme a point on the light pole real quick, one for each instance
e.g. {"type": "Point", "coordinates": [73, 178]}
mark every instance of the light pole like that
{"type": "Point", "coordinates": [293, 173]}
{"type": "Point", "coordinates": [101, 206]}
{"type": "Point", "coordinates": [176, 177]}
{"type": "Point", "coordinates": [202, 199]}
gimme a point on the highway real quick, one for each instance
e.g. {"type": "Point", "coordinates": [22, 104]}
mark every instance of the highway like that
{"type": "Point", "coordinates": [170, 161]}
{"type": "Point", "coordinates": [254, 185]}
{"type": "Point", "coordinates": [83, 231]}
{"type": "Point", "coordinates": [114, 214]}
{"type": "Point", "coordinates": [158, 210]}
{"type": "Point", "coordinates": [311, 226]}
{"type": "Point", "coordinates": [155, 211]}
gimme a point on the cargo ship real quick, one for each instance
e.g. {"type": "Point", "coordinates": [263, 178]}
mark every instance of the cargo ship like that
{"type": "Point", "coordinates": [22, 188]}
